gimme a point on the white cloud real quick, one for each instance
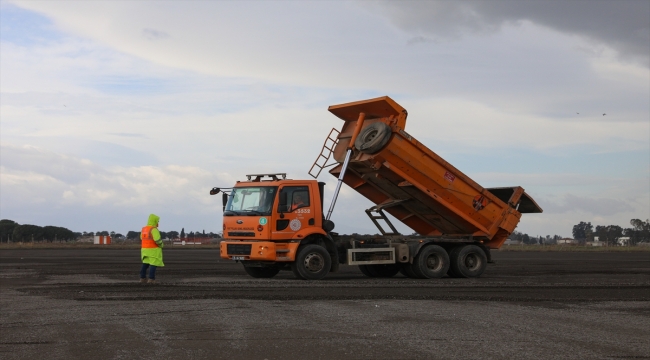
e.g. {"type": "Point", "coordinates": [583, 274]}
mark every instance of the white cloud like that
{"type": "Point", "coordinates": [467, 124]}
{"type": "Point", "coordinates": [58, 184]}
{"type": "Point", "coordinates": [623, 25]}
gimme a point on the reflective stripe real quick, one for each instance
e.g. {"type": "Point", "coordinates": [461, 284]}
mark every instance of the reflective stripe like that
{"type": "Point", "coordinates": [147, 238]}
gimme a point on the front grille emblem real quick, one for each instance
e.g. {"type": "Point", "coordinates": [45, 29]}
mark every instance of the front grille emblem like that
{"type": "Point", "coordinates": [240, 221]}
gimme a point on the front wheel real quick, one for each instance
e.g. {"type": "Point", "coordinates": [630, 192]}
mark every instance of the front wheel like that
{"type": "Point", "coordinates": [262, 272]}
{"type": "Point", "coordinates": [467, 261]}
{"type": "Point", "coordinates": [312, 263]}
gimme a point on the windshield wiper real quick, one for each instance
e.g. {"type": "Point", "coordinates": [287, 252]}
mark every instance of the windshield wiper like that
{"type": "Point", "coordinates": [253, 212]}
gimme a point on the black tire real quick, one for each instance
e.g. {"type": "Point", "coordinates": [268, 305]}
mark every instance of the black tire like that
{"type": "Point", "coordinates": [364, 269]}
{"type": "Point", "coordinates": [373, 138]}
{"type": "Point", "coordinates": [385, 270]}
{"type": "Point", "coordinates": [407, 270]}
{"type": "Point", "coordinates": [313, 262]}
{"type": "Point", "coordinates": [431, 262]}
{"type": "Point", "coordinates": [261, 272]}
{"type": "Point", "coordinates": [467, 261]}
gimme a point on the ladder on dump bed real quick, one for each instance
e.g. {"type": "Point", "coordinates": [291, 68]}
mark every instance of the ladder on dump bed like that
{"type": "Point", "coordinates": [325, 153]}
{"type": "Point", "coordinates": [377, 213]}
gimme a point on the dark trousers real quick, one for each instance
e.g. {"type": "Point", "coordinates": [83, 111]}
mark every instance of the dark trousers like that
{"type": "Point", "coordinates": [152, 271]}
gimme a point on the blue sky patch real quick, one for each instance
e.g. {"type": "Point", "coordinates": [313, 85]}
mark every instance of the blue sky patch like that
{"type": "Point", "coordinates": [24, 27]}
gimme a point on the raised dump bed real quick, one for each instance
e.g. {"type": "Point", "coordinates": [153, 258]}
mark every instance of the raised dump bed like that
{"type": "Point", "coordinates": [415, 185]}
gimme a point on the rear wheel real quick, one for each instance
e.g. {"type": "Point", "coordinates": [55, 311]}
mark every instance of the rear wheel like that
{"type": "Point", "coordinates": [385, 270]}
{"type": "Point", "coordinates": [380, 270]}
{"type": "Point", "coordinates": [407, 270]}
{"type": "Point", "coordinates": [364, 269]}
{"type": "Point", "coordinates": [467, 261]}
{"type": "Point", "coordinates": [432, 262]}
{"type": "Point", "coordinates": [261, 272]}
{"type": "Point", "coordinates": [312, 263]}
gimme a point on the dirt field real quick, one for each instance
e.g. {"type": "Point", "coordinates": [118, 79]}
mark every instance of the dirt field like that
{"type": "Point", "coordinates": [87, 303]}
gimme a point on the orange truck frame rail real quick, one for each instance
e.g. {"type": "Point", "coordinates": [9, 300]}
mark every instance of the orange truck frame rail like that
{"type": "Point", "coordinates": [272, 223]}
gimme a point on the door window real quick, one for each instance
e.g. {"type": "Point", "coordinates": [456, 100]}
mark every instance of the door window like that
{"type": "Point", "coordinates": [297, 197]}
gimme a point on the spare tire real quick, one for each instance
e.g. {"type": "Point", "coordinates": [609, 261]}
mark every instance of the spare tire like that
{"type": "Point", "coordinates": [373, 138]}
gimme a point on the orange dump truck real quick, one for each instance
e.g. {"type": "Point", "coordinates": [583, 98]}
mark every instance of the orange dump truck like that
{"type": "Point", "coordinates": [272, 223]}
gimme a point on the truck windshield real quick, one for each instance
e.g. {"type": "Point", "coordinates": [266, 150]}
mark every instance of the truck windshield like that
{"type": "Point", "coordinates": [251, 200]}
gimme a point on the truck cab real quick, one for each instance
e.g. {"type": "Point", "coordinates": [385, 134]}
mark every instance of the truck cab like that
{"type": "Point", "coordinates": [268, 217]}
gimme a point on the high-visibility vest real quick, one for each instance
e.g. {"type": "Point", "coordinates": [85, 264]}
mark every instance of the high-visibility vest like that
{"type": "Point", "coordinates": [294, 206]}
{"type": "Point", "coordinates": [147, 238]}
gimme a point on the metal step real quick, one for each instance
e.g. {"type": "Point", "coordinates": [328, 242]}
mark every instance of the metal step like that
{"type": "Point", "coordinates": [371, 256]}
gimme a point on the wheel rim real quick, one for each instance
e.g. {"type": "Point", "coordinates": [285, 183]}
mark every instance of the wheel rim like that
{"type": "Point", "coordinates": [314, 262]}
{"type": "Point", "coordinates": [434, 262]}
{"type": "Point", "coordinates": [370, 136]}
{"type": "Point", "coordinates": [472, 262]}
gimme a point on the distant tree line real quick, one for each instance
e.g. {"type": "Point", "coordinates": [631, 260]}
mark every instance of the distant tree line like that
{"type": "Point", "coordinates": [135, 235]}
{"type": "Point", "coordinates": [609, 234]}
{"type": "Point", "coordinates": [532, 240]}
{"type": "Point", "coordinates": [11, 231]}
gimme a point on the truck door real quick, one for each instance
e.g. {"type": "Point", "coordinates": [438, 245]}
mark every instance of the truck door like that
{"type": "Point", "coordinates": [296, 214]}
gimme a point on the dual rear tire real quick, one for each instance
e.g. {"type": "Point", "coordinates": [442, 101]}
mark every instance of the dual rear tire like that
{"type": "Point", "coordinates": [465, 261]}
{"type": "Point", "coordinates": [430, 263]}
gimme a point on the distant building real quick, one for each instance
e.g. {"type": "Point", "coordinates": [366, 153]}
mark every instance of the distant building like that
{"type": "Point", "coordinates": [623, 241]}
{"type": "Point", "coordinates": [567, 241]}
{"type": "Point", "coordinates": [512, 242]}
{"type": "Point", "coordinates": [596, 242]}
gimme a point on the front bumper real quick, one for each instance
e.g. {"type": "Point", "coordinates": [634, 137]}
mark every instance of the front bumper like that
{"type": "Point", "coordinates": [258, 250]}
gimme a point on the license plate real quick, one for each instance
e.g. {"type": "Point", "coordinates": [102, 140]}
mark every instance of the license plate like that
{"type": "Point", "coordinates": [238, 258]}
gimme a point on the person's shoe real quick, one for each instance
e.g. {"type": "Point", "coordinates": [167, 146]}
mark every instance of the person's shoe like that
{"type": "Point", "coordinates": [143, 281]}
{"type": "Point", "coordinates": [151, 281]}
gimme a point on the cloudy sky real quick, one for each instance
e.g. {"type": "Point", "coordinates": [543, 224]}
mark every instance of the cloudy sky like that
{"type": "Point", "coordinates": [112, 110]}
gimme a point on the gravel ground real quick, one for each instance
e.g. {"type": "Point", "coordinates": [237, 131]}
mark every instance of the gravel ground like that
{"type": "Point", "coordinates": [83, 303]}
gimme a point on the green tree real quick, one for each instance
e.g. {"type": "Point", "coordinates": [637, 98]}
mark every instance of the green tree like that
{"type": "Point", "coordinates": [609, 234]}
{"type": "Point", "coordinates": [6, 229]}
{"type": "Point", "coordinates": [640, 231]}
{"type": "Point", "coordinates": [583, 232]}
{"type": "Point", "coordinates": [27, 233]}
{"type": "Point", "coordinates": [133, 235]}
{"type": "Point", "coordinates": [183, 233]}
{"type": "Point", "coordinates": [52, 233]}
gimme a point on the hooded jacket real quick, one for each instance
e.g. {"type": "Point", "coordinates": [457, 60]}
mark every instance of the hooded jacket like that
{"type": "Point", "coordinates": [152, 255]}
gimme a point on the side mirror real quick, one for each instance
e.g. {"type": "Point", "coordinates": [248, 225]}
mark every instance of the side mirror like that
{"type": "Point", "coordinates": [224, 200]}
{"type": "Point", "coordinates": [215, 191]}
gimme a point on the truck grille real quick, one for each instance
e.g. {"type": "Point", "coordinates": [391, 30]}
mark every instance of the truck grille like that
{"type": "Point", "coordinates": [241, 233]}
{"type": "Point", "coordinates": [239, 249]}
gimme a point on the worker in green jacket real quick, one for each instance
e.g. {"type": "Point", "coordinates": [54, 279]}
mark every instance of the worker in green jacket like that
{"type": "Point", "coordinates": [151, 252]}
